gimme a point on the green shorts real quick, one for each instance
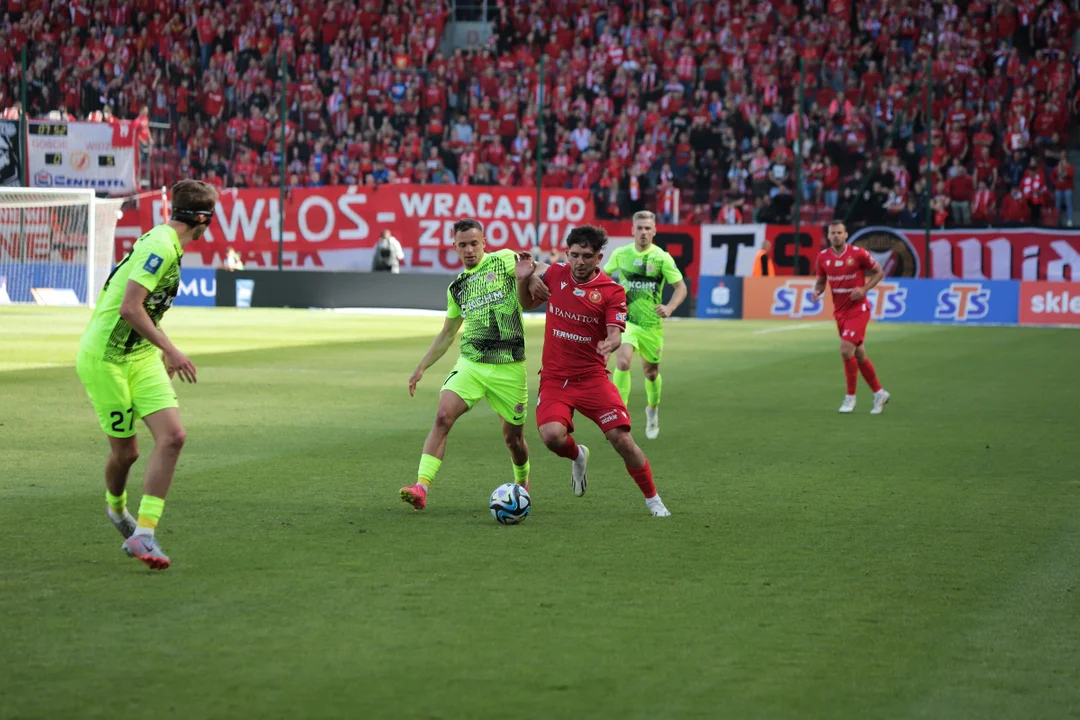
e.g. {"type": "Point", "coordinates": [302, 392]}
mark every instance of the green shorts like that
{"type": "Point", "coordinates": [647, 341]}
{"type": "Point", "coordinates": [124, 392]}
{"type": "Point", "coordinates": [505, 386]}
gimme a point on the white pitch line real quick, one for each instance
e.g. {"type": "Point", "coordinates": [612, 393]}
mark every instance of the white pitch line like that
{"type": "Point", "coordinates": [785, 328]}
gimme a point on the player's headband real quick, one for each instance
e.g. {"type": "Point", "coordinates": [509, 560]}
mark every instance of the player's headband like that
{"type": "Point", "coordinates": [193, 217]}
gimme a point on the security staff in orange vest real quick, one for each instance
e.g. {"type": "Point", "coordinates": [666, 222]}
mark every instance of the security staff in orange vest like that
{"type": "Point", "coordinates": [763, 264]}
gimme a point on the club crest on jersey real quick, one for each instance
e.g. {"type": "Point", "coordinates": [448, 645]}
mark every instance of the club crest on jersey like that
{"type": "Point", "coordinates": [595, 296]}
{"type": "Point", "coordinates": [650, 268]}
{"type": "Point", "coordinates": [490, 277]}
{"type": "Point", "coordinates": [153, 264]}
{"type": "Point", "coordinates": [850, 261]}
{"type": "Point", "coordinates": [577, 291]}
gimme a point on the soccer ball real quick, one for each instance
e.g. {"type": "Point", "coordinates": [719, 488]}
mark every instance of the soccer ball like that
{"type": "Point", "coordinates": [510, 504]}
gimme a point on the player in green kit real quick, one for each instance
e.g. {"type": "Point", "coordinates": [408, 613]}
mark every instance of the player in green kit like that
{"type": "Point", "coordinates": [643, 269]}
{"type": "Point", "coordinates": [127, 379]}
{"type": "Point", "coordinates": [484, 299]}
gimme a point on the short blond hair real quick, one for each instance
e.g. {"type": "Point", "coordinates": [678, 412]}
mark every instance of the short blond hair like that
{"type": "Point", "coordinates": [644, 215]}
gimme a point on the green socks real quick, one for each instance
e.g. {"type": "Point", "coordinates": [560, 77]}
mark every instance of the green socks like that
{"type": "Point", "coordinates": [621, 378]}
{"type": "Point", "coordinates": [429, 468]}
{"type": "Point", "coordinates": [652, 391]}
{"type": "Point", "coordinates": [521, 473]}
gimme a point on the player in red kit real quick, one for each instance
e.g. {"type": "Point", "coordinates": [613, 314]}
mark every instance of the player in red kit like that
{"type": "Point", "coordinates": [586, 316]}
{"type": "Point", "coordinates": [845, 268]}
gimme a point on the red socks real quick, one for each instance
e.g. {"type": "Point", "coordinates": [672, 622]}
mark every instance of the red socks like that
{"type": "Point", "coordinates": [643, 477]}
{"type": "Point", "coordinates": [569, 450]}
{"type": "Point", "coordinates": [869, 374]}
{"type": "Point", "coordinates": [851, 374]}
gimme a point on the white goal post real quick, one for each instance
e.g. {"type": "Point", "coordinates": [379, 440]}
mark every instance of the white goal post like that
{"type": "Point", "coordinates": [56, 246]}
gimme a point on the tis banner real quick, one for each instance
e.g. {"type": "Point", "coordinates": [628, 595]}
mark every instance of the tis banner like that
{"type": "Point", "coordinates": [1002, 254]}
{"type": "Point", "coordinates": [336, 228]}
{"type": "Point", "coordinates": [99, 156]}
{"type": "Point", "coordinates": [784, 298]}
{"type": "Point", "coordinates": [960, 302]}
{"type": "Point", "coordinates": [893, 300]}
{"type": "Point", "coordinates": [1050, 303]}
{"type": "Point", "coordinates": [731, 249]}
{"type": "Point", "coordinates": [10, 154]}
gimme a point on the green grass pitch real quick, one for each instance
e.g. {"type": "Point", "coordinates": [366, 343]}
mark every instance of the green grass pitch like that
{"type": "Point", "coordinates": [920, 564]}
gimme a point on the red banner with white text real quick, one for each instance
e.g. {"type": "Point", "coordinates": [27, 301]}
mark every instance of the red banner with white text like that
{"type": "Point", "coordinates": [336, 228]}
{"type": "Point", "coordinates": [998, 254]}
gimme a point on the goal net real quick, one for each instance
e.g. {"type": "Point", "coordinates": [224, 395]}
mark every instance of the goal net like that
{"type": "Point", "coordinates": [56, 246]}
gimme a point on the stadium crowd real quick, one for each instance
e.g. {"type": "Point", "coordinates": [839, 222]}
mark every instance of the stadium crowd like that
{"type": "Point", "coordinates": [688, 108]}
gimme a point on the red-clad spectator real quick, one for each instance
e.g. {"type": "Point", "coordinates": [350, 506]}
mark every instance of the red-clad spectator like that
{"type": "Point", "coordinates": [1033, 186]}
{"type": "Point", "coordinates": [984, 205]}
{"type": "Point", "coordinates": [1062, 179]}
{"type": "Point", "coordinates": [1015, 209]}
{"type": "Point", "coordinates": [961, 194]}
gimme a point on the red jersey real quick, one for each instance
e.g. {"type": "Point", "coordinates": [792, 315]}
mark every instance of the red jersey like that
{"type": "Point", "coordinates": [578, 316]}
{"type": "Point", "coordinates": [846, 272]}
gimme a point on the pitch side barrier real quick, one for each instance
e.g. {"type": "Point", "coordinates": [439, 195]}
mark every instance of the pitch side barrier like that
{"type": "Point", "coordinates": [910, 300]}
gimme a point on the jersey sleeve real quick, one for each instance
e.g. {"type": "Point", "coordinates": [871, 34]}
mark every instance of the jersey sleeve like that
{"type": "Point", "coordinates": [453, 310]}
{"type": "Point", "coordinates": [149, 261]}
{"type": "Point", "coordinates": [866, 260]}
{"type": "Point", "coordinates": [550, 275]}
{"type": "Point", "coordinates": [670, 269]}
{"type": "Point", "coordinates": [508, 258]}
{"type": "Point", "coordinates": [615, 313]}
{"type": "Point", "coordinates": [612, 264]}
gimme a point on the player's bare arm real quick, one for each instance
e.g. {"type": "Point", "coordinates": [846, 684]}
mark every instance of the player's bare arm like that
{"type": "Point", "coordinates": [439, 346]}
{"type": "Point", "coordinates": [876, 276]}
{"type": "Point", "coordinates": [531, 290]}
{"type": "Point", "coordinates": [819, 288]}
{"type": "Point", "coordinates": [677, 299]}
{"type": "Point", "coordinates": [611, 343]}
{"type": "Point", "coordinates": [134, 313]}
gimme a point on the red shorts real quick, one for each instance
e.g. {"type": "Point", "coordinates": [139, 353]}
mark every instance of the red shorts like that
{"type": "Point", "coordinates": [596, 398]}
{"type": "Point", "coordinates": [852, 327]}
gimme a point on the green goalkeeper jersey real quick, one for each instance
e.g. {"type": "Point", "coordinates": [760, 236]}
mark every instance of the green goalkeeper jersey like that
{"type": "Point", "coordinates": [154, 263]}
{"type": "Point", "coordinates": [643, 275]}
{"type": "Point", "coordinates": [486, 297]}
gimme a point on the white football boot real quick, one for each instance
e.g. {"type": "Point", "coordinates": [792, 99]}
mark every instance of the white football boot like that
{"type": "Point", "coordinates": [880, 398]}
{"type": "Point", "coordinates": [579, 479]}
{"type": "Point", "coordinates": [656, 507]}
{"type": "Point", "coordinates": [652, 422]}
{"type": "Point", "coordinates": [848, 404]}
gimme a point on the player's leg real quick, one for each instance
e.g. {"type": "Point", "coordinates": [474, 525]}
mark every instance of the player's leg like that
{"type": "Point", "coordinates": [154, 400]}
{"type": "Point", "coordinates": [451, 407]}
{"type": "Point", "coordinates": [507, 391]}
{"type": "Point", "coordinates": [651, 347]}
{"type": "Point", "coordinates": [555, 420]}
{"type": "Point", "coordinates": [514, 437]}
{"type": "Point", "coordinates": [851, 365]}
{"type": "Point", "coordinates": [621, 375]}
{"type": "Point", "coordinates": [600, 402]}
{"type": "Point", "coordinates": [123, 452]}
{"type": "Point", "coordinates": [107, 386]}
{"type": "Point", "coordinates": [637, 465]}
{"type": "Point", "coordinates": [869, 373]}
